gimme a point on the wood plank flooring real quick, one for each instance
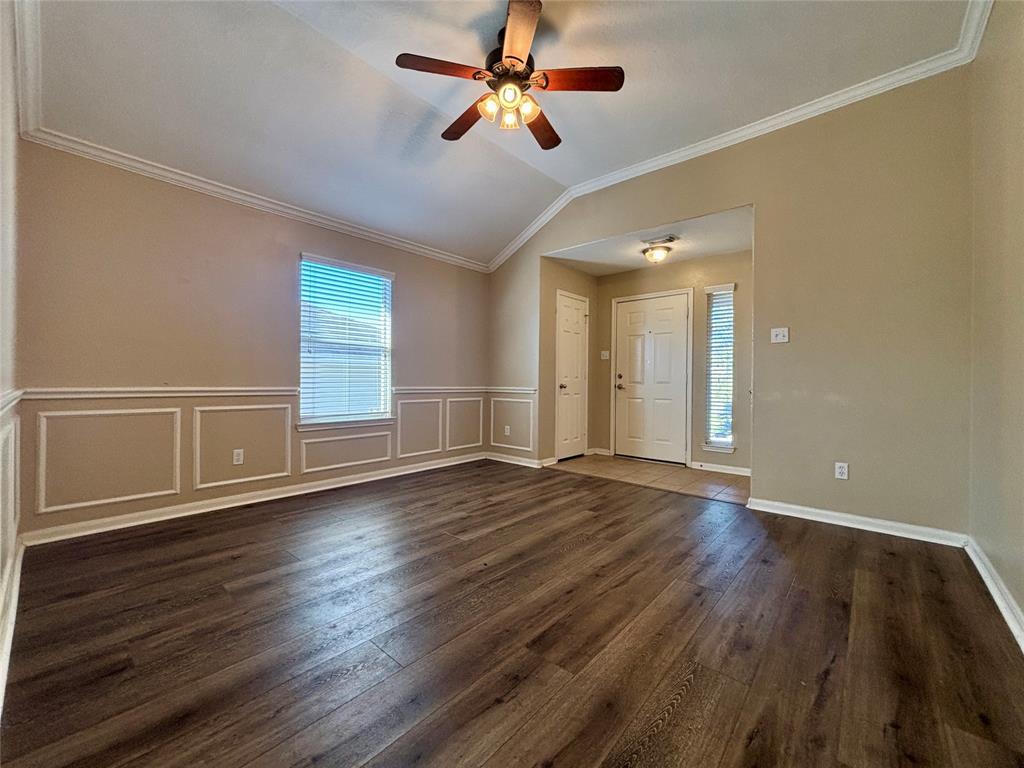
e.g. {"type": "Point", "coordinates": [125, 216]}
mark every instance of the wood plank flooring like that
{"type": "Point", "coordinates": [491, 615]}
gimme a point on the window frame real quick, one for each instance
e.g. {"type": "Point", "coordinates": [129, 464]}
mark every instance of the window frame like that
{"type": "Point", "coordinates": [357, 420]}
{"type": "Point", "coordinates": [717, 444]}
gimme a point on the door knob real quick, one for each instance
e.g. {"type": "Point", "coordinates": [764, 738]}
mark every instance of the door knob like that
{"type": "Point", "coordinates": [620, 386]}
{"type": "Point", "coordinates": [561, 386]}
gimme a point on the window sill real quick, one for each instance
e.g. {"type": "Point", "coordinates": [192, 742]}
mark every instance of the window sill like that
{"type": "Point", "coordinates": [313, 426]}
{"type": "Point", "coordinates": [719, 448]}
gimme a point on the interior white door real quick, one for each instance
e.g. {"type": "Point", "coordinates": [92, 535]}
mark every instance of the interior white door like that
{"type": "Point", "coordinates": [650, 377]}
{"type": "Point", "coordinates": [571, 367]}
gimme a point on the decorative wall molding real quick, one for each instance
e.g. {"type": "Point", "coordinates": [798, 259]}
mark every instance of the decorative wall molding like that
{"type": "Point", "coordinates": [971, 31]}
{"type": "Point", "coordinates": [905, 530]}
{"type": "Point", "coordinates": [197, 442]}
{"type": "Point", "coordinates": [448, 423]}
{"type": "Point", "coordinates": [89, 527]}
{"type": "Point", "coordinates": [512, 400]}
{"type": "Point", "coordinates": [9, 399]}
{"type": "Point", "coordinates": [43, 508]}
{"type": "Point", "coordinates": [723, 468]}
{"type": "Point", "coordinates": [440, 419]}
{"type": "Point", "coordinates": [28, 36]}
{"type": "Point", "coordinates": [120, 393]}
{"type": "Point", "coordinates": [10, 477]}
{"type": "Point", "coordinates": [8, 611]}
{"type": "Point", "coordinates": [1004, 599]}
{"type": "Point", "coordinates": [464, 390]}
{"type": "Point", "coordinates": [304, 469]}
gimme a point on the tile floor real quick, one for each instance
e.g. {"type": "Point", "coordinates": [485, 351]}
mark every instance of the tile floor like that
{"type": "Point", "coordinates": [668, 477]}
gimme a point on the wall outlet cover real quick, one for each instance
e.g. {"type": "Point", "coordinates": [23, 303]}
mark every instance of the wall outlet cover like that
{"type": "Point", "coordinates": [605, 354]}
{"type": "Point", "coordinates": [780, 335]}
{"type": "Point", "coordinates": [238, 456]}
{"type": "Point", "coordinates": [842, 470]}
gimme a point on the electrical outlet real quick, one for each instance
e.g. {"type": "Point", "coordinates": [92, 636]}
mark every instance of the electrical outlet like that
{"type": "Point", "coordinates": [508, 430]}
{"type": "Point", "coordinates": [780, 335]}
{"type": "Point", "coordinates": [238, 456]}
{"type": "Point", "coordinates": [842, 470]}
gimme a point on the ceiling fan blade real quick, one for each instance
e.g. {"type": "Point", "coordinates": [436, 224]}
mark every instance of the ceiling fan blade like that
{"type": "Point", "coordinates": [439, 66]}
{"type": "Point", "coordinates": [542, 131]}
{"type": "Point", "coordinates": [463, 122]}
{"type": "Point", "coordinates": [580, 79]}
{"type": "Point", "coordinates": [520, 27]}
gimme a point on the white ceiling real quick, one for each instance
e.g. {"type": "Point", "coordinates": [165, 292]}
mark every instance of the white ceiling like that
{"type": "Point", "coordinates": [716, 233]}
{"type": "Point", "coordinates": [302, 103]}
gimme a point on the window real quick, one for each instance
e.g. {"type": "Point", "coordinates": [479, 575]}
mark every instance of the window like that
{"type": "Point", "coordinates": [345, 366]}
{"type": "Point", "coordinates": [720, 366]}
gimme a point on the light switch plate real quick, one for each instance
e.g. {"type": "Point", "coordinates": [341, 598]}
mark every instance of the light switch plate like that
{"type": "Point", "coordinates": [780, 335]}
{"type": "Point", "coordinates": [842, 470]}
{"type": "Point", "coordinates": [238, 456]}
{"type": "Point", "coordinates": [605, 354]}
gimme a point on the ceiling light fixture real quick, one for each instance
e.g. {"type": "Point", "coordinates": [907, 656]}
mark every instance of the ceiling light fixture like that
{"type": "Point", "coordinates": [489, 107]}
{"type": "Point", "coordinates": [528, 108]}
{"type": "Point", "coordinates": [509, 121]}
{"type": "Point", "coordinates": [657, 253]}
{"type": "Point", "coordinates": [657, 250]}
{"type": "Point", "coordinates": [509, 94]}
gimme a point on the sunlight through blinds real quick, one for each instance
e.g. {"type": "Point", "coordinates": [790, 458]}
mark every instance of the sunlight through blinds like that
{"type": "Point", "coordinates": [346, 343]}
{"type": "Point", "coordinates": [720, 366]}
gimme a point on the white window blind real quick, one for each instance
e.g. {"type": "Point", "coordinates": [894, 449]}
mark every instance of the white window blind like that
{"type": "Point", "coordinates": [345, 341]}
{"type": "Point", "coordinates": [720, 364]}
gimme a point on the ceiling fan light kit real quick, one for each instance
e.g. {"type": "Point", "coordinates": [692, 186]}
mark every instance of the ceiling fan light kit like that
{"type": "Point", "coordinates": [509, 72]}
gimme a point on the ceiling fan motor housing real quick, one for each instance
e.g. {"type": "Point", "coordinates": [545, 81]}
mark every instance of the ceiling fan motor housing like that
{"type": "Point", "coordinates": [496, 65]}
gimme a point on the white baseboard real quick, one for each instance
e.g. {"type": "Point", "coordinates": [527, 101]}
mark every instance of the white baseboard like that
{"type": "Point", "coordinates": [1009, 607]}
{"type": "Point", "coordinates": [723, 468]}
{"type": "Point", "coordinates": [905, 530]}
{"type": "Point", "coordinates": [598, 451]}
{"type": "Point", "coordinates": [9, 609]}
{"type": "Point", "coordinates": [89, 527]}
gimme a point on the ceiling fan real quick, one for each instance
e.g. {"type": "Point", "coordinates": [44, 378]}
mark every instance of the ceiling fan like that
{"type": "Point", "coordinates": [509, 72]}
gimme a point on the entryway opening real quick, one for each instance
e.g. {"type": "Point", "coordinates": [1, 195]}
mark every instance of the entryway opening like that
{"type": "Point", "coordinates": [654, 350]}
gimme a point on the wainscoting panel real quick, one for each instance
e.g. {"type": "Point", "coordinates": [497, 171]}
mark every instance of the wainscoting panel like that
{"type": "Point", "coordinates": [419, 427]}
{"type": "Point", "coordinates": [263, 432]}
{"type": "Point", "coordinates": [465, 423]}
{"type": "Point", "coordinates": [517, 415]}
{"type": "Point", "coordinates": [96, 457]}
{"type": "Point", "coordinates": [319, 454]}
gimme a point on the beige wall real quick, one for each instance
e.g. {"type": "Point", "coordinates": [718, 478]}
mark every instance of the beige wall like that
{"type": "Point", "coordinates": [997, 424]}
{"type": "Point", "coordinates": [692, 273]}
{"type": "Point", "coordinates": [132, 282]}
{"type": "Point", "coordinates": [555, 276]}
{"type": "Point", "coordinates": [862, 243]}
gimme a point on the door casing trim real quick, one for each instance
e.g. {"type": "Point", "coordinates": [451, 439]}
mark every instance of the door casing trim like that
{"type": "Point", "coordinates": [688, 292]}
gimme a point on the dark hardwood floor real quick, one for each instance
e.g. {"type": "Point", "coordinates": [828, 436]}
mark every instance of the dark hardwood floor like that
{"type": "Point", "coordinates": [487, 614]}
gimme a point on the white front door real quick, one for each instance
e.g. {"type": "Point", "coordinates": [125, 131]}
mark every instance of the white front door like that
{"type": "Point", "coordinates": [650, 377]}
{"type": "Point", "coordinates": [571, 367]}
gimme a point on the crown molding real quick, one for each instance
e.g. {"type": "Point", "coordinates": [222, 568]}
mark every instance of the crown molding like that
{"type": "Point", "coordinates": [971, 31]}
{"type": "Point", "coordinates": [27, 32]}
{"type": "Point", "coordinates": [30, 120]}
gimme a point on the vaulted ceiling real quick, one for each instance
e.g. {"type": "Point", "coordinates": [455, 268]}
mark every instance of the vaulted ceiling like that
{"type": "Point", "coordinates": [298, 107]}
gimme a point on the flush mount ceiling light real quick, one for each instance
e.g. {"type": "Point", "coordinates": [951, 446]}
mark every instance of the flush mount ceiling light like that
{"type": "Point", "coordinates": [657, 253]}
{"type": "Point", "coordinates": [509, 72]}
{"type": "Point", "coordinates": [657, 250]}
